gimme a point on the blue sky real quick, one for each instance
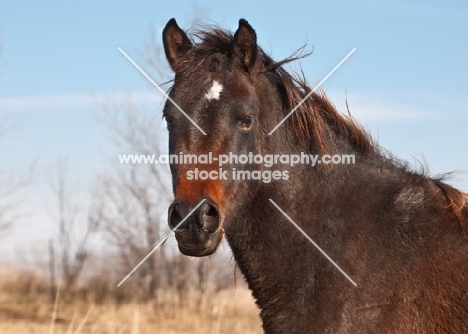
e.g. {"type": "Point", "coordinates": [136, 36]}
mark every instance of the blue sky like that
{"type": "Point", "coordinates": [407, 81]}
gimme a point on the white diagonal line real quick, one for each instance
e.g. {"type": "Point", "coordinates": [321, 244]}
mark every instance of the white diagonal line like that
{"type": "Point", "coordinates": [311, 92]}
{"type": "Point", "coordinates": [159, 244]}
{"type": "Point", "coordinates": [313, 243]}
{"type": "Point", "coordinates": [161, 90]}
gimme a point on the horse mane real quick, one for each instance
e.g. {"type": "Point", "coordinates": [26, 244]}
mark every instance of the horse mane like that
{"type": "Point", "coordinates": [312, 121]}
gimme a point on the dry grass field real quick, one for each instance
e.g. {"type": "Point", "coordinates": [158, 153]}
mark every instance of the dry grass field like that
{"type": "Point", "coordinates": [25, 307]}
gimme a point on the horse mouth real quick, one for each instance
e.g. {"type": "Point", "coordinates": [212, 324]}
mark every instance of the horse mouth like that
{"type": "Point", "coordinates": [197, 250]}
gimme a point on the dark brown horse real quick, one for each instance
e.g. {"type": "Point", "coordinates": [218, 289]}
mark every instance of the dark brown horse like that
{"type": "Point", "coordinates": [399, 234]}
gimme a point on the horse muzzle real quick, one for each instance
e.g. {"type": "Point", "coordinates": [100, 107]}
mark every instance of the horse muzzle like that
{"type": "Point", "coordinates": [201, 232]}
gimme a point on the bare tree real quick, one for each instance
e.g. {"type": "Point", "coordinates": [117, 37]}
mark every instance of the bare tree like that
{"type": "Point", "coordinates": [135, 196]}
{"type": "Point", "coordinates": [11, 185]}
{"type": "Point", "coordinates": [76, 226]}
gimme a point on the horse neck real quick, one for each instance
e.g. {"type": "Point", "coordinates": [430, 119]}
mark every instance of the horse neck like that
{"type": "Point", "coordinates": [267, 246]}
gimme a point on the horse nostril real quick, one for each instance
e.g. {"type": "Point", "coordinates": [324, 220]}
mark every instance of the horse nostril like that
{"type": "Point", "coordinates": [209, 217]}
{"type": "Point", "coordinates": [212, 212]}
{"type": "Point", "coordinates": [175, 216]}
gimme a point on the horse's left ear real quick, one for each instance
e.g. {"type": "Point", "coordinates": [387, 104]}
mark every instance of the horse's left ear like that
{"type": "Point", "coordinates": [245, 44]}
{"type": "Point", "coordinates": [175, 41]}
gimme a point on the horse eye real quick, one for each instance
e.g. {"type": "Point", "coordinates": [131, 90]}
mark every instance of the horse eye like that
{"type": "Point", "coordinates": [169, 120]}
{"type": "Point", "coordinates": [247, 122]}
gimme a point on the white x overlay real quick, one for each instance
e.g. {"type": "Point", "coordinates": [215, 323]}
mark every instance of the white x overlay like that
{"type": "Point", "coordinates": [312, 91]}
{"type": "Point", "coordinates": [165, 237]}
{"type": "Point", "coordinates": [161, 90]}
{"type": "Point", "coordinates": [313, 242]}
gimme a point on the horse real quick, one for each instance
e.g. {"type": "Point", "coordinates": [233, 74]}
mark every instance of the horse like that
{"type": "Point", "coordinates": [398, 234]}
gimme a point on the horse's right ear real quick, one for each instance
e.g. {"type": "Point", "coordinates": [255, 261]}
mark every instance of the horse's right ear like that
{"type": "Point", "coordinates": [175, 41]}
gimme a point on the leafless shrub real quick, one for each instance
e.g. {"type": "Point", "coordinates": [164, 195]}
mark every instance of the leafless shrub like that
{"type": "Point", "coordinates": [76, 225]}
{"type": "Point", "coordinates": [11, 186]}
{"type": "Point", "coordinates": [135, 197]}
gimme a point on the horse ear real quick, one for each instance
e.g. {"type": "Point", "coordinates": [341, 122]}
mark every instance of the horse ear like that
{"type": "Point", "coordinates": [175, 41]}
{"type": "Point", "coordinates": [245, 44]}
